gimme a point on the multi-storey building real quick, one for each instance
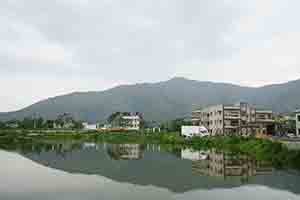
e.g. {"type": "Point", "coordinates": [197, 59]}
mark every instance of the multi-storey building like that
{"type": "Point", "coordinates": [298, 123]}
{"type": "Point", "coordinates": [131, 122]}
{"type": "Point", "coordinates": [234, 119]}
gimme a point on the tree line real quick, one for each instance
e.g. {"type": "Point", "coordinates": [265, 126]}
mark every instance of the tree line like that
{"type": "Point", "coordinates": [66, 121]}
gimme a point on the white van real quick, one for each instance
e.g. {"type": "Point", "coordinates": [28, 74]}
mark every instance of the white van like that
{"type": "Point", "coordinates": [194, 131]}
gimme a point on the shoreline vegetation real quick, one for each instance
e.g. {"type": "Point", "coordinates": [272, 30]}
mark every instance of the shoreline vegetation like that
{"type": "Point", "coordinates": [261, 149]}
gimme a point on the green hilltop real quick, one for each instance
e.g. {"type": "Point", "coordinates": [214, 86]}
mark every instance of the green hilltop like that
{"type": "Point", "coordinates": [162, 101]}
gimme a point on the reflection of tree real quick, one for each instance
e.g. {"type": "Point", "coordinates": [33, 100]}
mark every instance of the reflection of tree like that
{"type": "Point", "coordinates": [173, 149]}
{"type": "Point", "coordinates": [37, 147]}
{"type": "Point", "coordinates": [125, 151]}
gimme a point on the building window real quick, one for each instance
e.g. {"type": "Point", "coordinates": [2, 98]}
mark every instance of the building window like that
{"type": "Point", "coordinates": [298, 118]}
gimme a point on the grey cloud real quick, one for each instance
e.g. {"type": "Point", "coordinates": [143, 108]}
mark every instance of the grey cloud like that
{"type": "Point", "coordinates": [149, 40]}
{"type": "Point", "coordinates": [129, 36]}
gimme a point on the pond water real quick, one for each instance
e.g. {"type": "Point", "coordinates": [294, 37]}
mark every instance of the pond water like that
{"type": "Point", "coordinates": [84, 171]}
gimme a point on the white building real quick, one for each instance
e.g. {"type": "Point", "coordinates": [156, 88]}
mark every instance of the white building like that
{"type": "Point", "coordinates": [131, 122]}
{"type": "Point", "coordinates": [88, 126]}
{"type": "Point", "coordinates": [298, 123]}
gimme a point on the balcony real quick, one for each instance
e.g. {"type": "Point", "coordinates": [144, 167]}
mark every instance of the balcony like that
{"type": "Point", "coordinates": [265, 120]}
{"type": "Point", "coordinates": [264, 111]}
{"type": "Point", "coordinates": [231, 116]}
{"type": "Point", "coordinates": [232, 108]}
{"type": "Point", "coordinates": [231, 126]}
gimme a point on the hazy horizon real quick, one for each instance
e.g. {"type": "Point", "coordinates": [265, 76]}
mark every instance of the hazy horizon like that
{"type": "Point", "coordinates": [51, 48]}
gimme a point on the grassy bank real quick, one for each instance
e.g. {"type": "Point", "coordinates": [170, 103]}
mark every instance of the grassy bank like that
{"type": "Point", "coordinates": [263, 150]}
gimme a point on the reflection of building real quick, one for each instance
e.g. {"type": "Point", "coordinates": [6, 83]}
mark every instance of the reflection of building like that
{"type": "Point", "coordinates": [298, 122]}
{"type": "Point", "coordinates": [240, 118]}
{"type": "Point", "coordinates": [125, 151]}
{"type": "Point", "coordinates": [224, 164]}
{"type": "Point", "coordinates": [194, 155]}
{"type": "Point", "coordinates": [153, 148]}
{"type": "Point", "coordinates": [89, 145]}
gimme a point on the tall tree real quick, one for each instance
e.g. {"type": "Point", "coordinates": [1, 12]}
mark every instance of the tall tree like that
{"type": "Point", "coordinates": [27, 123]}
{"type": "Point", "coordinates": [39, 123]}
{"type": "Point", "coordinates": [2, 125]}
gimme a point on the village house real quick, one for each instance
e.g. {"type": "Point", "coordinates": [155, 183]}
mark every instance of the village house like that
{"type": "Point", "coordinates": [131, 122]}
{"type": "Point", "coordinates": [90, 127]}
{"type": "Point", "coordinates": [125, 121]}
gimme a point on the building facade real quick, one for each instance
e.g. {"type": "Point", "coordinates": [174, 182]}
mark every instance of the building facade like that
{"type": "Point", "coordinates": [126, 121]}
{"type": "Point", "coordinates": [237, 119]}
{"type": "Point", "coordinates": [132, 122]}
{"type": "Point", "coordinates": [298, 123]}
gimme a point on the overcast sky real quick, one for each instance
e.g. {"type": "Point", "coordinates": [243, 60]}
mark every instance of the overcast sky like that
{"type": "Point", "coordinates": [49, 48]}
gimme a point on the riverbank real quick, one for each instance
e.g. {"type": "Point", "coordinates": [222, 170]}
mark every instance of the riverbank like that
{"type": "Point", "coordinates": [262, 149]}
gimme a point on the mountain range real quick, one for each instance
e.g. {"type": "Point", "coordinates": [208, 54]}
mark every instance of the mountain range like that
{"type": "Point", "coordinates": [162, 101]}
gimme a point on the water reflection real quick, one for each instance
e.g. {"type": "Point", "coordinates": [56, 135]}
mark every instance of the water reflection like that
{"type": "Point", "coordinates": [225, 164]}
{"type": "Point", "coordinates": [171, 167]}
{"type": "Point", "coordinates": [125, 151]}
